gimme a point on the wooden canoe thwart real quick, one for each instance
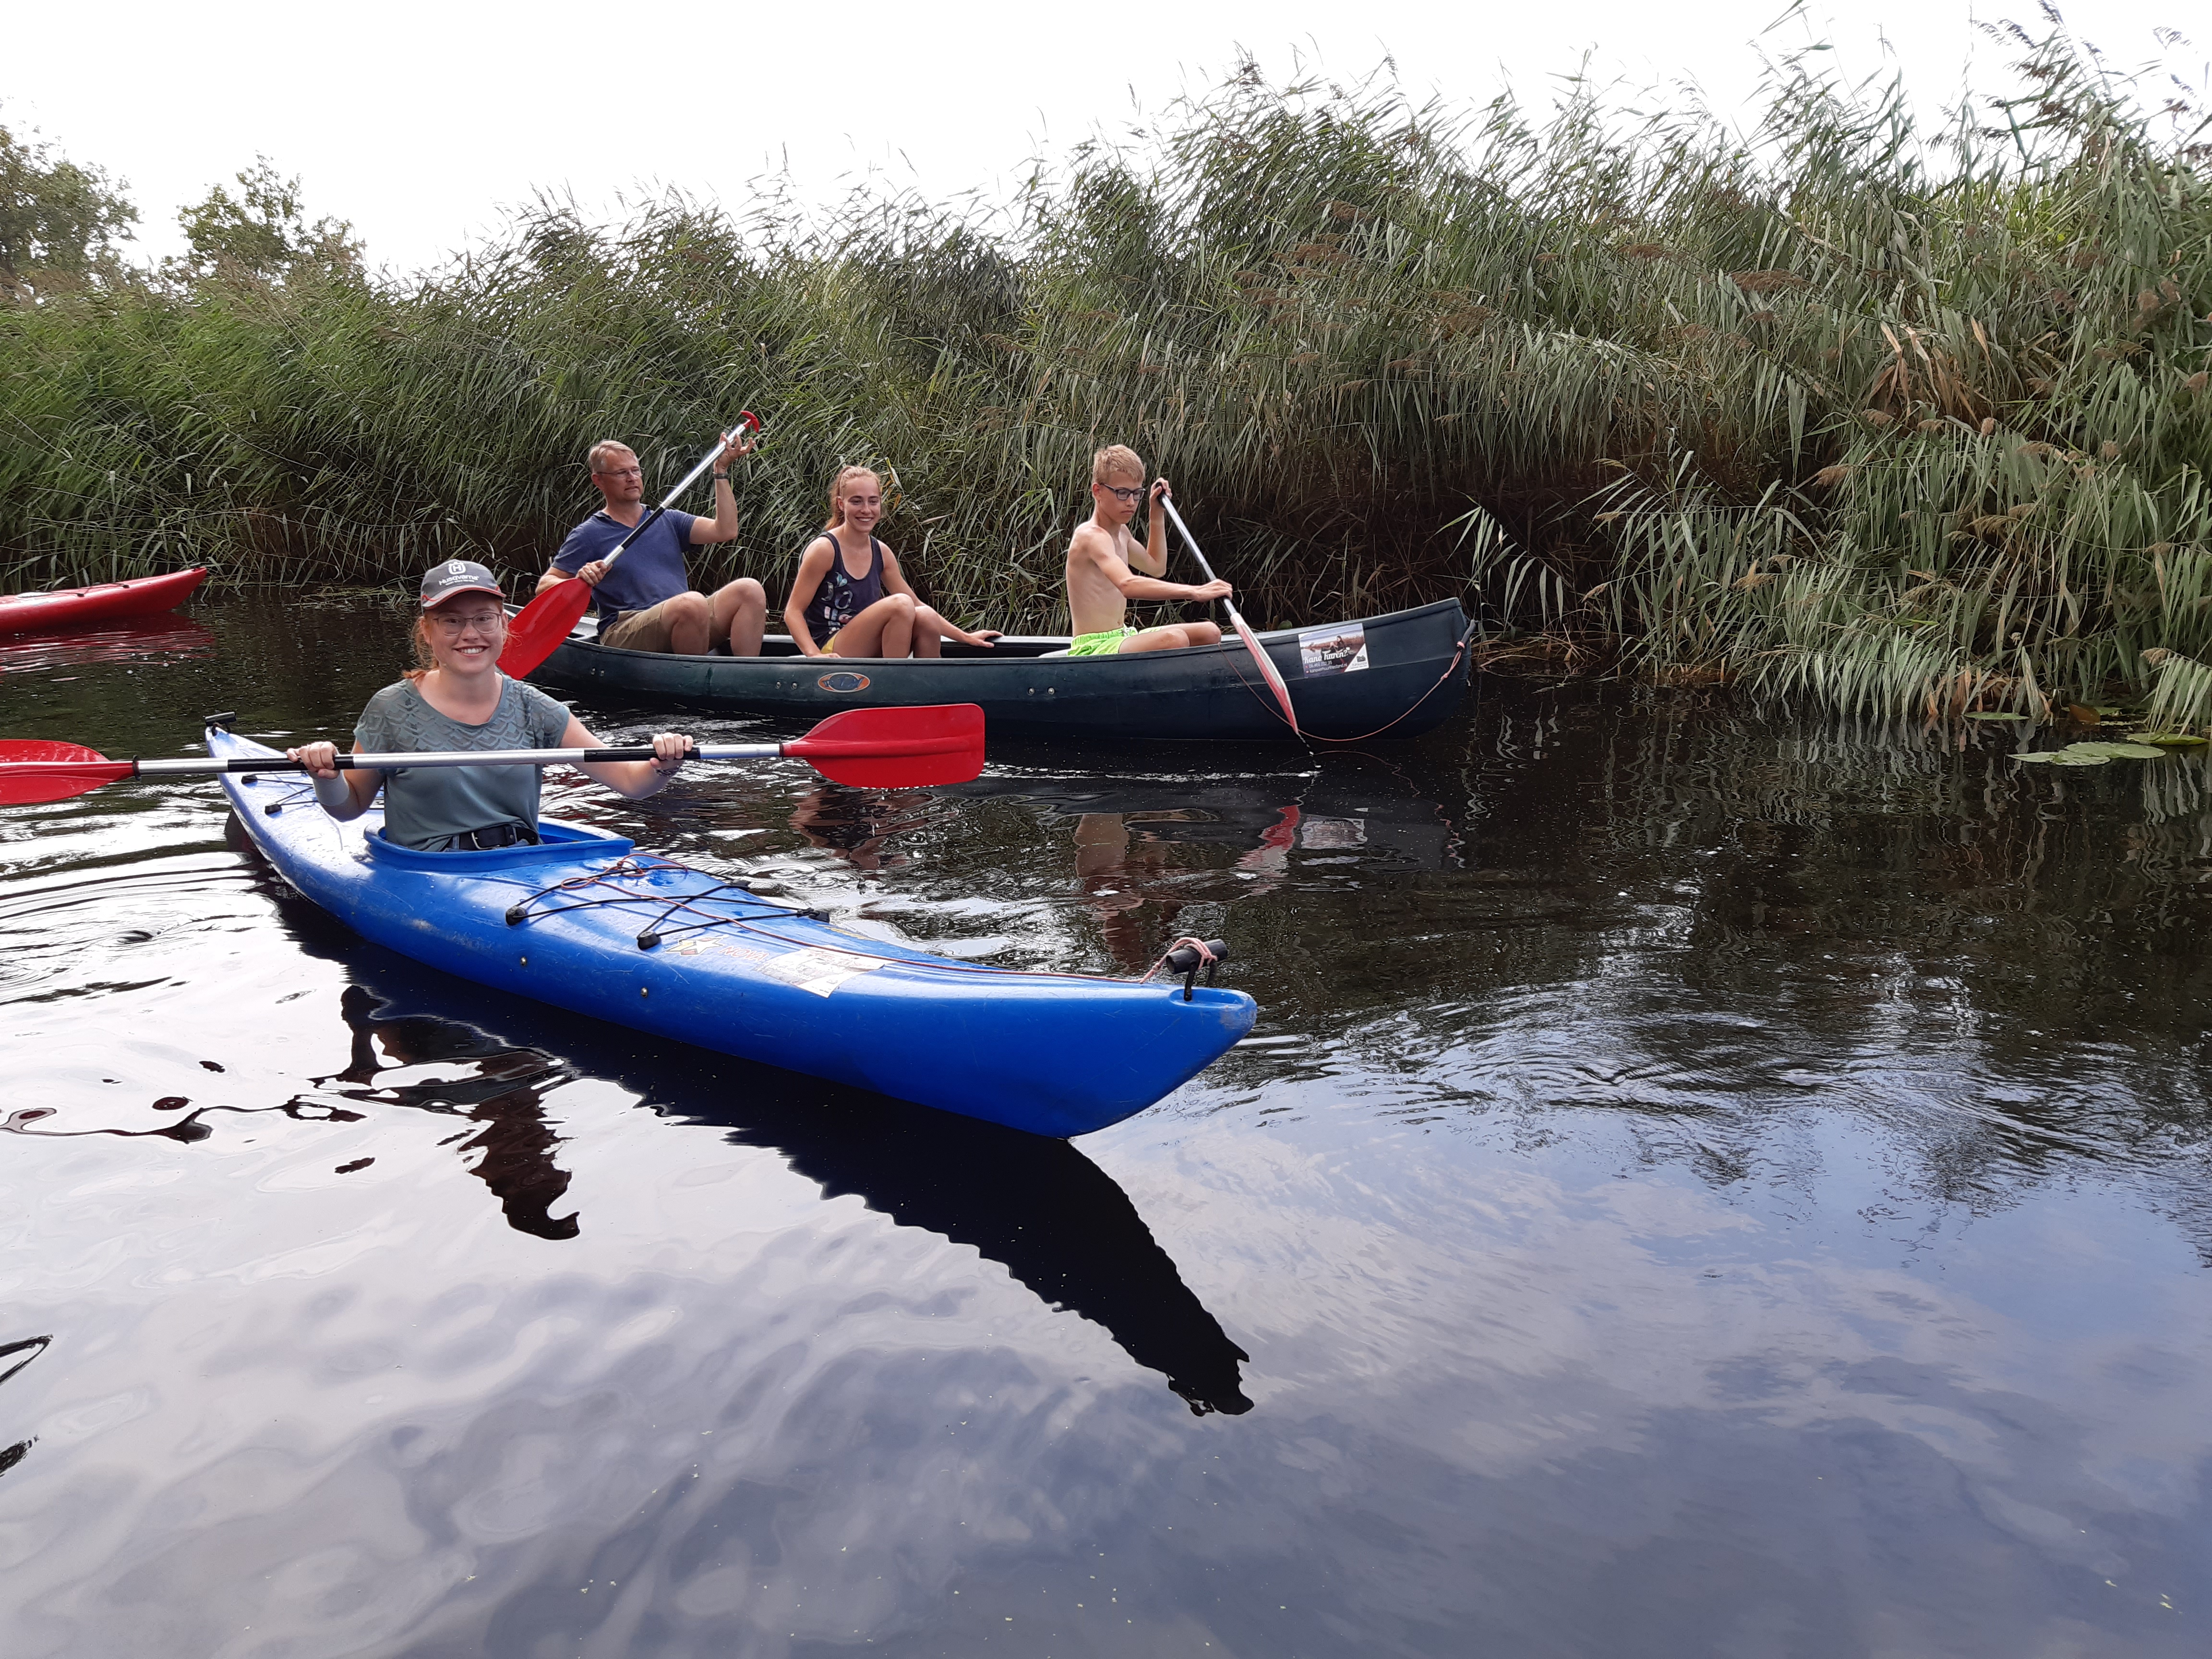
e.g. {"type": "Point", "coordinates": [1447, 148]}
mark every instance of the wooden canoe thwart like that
{"type": "Point", "coordinates": [1393, 676]}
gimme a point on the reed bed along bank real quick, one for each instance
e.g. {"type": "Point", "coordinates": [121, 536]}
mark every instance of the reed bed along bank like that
{"type": "Point", "coordinates": [1894, 421]}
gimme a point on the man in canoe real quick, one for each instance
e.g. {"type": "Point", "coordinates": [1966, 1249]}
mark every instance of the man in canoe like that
{"type": "Point", "coordinates": [646, 600]}
{"type": "Point", "coordinates": [1106, 568]}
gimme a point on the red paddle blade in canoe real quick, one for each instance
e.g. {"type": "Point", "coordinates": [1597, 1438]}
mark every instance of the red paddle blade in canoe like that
{"type": "Point", "coordinates": [896, 748]}
{"type": "Point", "coordinates": [538, 630]}
{"type": "Point", "coordinates": [33, 769]}
{"type": "Point", "coordinates": [1267, 666]}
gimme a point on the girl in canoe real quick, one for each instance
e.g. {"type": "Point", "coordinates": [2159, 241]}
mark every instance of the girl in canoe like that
{"type": "Point", "coordinates": [849, 598]}
{"type": "Point", "coordinates": [457, 699]}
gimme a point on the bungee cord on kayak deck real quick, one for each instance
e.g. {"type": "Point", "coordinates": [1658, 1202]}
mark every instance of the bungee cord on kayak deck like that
{"type": "Point", "coordinates": [520, 913]}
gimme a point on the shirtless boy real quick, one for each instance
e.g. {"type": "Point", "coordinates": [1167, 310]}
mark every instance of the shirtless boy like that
{"type": "Point", "coordinates": [1101, 578]}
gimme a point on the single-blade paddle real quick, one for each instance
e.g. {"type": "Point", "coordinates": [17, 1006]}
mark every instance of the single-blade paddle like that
{"type": "Point", "coordinates": [867, 748]}
{"type": "Point", "coordinates": [540, 626]}
{"type": "Point", "coordinates": [1244, 629]}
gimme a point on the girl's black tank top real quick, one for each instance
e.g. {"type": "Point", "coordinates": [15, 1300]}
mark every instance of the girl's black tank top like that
{"type": "Point", "coordinates": [842, 597]}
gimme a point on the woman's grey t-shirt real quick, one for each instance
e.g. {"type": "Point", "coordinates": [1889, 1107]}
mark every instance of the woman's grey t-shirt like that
{"type": "Point", "coordinates": [424, 805]}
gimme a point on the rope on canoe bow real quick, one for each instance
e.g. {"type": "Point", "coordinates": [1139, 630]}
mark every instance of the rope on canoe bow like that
{"type": "Point", "coordinates": [1312, 737]}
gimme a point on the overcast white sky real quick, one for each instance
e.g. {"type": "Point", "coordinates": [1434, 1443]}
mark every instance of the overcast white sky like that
{"type": "Point", "coordinates": [420, 121]}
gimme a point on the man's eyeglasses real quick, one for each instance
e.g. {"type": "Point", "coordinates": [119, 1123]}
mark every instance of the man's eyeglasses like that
{"type": "Point", "coordinates": [482, 621]}
{"type": "Point", "coordinates": [622, 472]}
{"type": "Point", "coordinates": [1127, 497]}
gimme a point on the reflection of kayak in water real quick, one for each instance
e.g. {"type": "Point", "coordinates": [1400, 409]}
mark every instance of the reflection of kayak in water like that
{"type": "Point", "coordinates": [1056, 1221]}
{"type": "Point", "coordinates": [123, 642]}
{"type": "Point", "coordinates": [586, 922]}
{"type": "Point", "coordinates": [73, 607]}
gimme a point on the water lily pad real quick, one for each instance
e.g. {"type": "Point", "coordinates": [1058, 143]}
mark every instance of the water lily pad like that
{"type": "Point", "coordinates": [2039, 756]}
{"type": "Point", "coordinates": [2169, 739]}
{"type": "Point", "coordinates": [1994, 715]}
{"type": "Point", "coordinates": [2115, 750]}
{"type": "Point", "coordinates": [2067, 757]}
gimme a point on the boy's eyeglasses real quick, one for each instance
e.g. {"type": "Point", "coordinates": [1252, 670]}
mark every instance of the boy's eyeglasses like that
{"type": "Point", "coordinates": [1127, 497]}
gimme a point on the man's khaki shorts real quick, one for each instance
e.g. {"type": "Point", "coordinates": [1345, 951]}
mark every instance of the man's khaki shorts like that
{"type": "Point", "coordinates": [640, 630]}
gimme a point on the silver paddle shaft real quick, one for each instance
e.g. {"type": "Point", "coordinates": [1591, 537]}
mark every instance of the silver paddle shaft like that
{"type": "Point", "coordinates": [670, 499]}
{"type": "Point", "coordinates": [1191, 541]}
{"type": "Point", "coordinates": [204, 768]}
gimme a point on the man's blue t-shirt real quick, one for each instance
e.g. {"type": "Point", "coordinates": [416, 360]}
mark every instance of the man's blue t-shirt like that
{"type": "Point", "coordinates": [651, 569]}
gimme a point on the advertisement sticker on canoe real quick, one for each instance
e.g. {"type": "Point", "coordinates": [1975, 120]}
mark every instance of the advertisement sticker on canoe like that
{"type": "Point", "coordinates": [1338, 650]}
{"type": "Point", "coordinates": [843, 680]}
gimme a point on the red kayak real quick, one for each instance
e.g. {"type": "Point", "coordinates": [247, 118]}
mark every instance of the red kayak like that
{"type": "Point", "coordinates": [142, 596]}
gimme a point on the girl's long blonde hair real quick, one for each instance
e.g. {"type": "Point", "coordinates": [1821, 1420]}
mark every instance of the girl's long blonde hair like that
{"type": "Point", "coordinates": [837, 491]}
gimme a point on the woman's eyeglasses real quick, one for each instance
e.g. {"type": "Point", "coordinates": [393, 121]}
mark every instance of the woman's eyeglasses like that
{"type": "Point", "coordinates": [482, 621]}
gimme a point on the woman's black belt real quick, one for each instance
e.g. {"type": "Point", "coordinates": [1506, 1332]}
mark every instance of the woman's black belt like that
{"type": "Point", "coordinates": [485, 840]}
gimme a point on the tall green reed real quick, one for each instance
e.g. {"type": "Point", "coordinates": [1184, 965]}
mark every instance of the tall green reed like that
{"type": "Point", "coordinates": [1897, 421]}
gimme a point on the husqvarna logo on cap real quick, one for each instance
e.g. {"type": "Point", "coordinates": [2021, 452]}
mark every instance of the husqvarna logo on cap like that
{"type": "Point", "coordinates": [442, 581]}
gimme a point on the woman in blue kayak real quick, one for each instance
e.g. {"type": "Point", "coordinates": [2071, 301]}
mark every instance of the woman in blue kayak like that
{"type": "Point", "coordinates": [457, 699]}
{"type": "Point", "coordinates": [850, 598]}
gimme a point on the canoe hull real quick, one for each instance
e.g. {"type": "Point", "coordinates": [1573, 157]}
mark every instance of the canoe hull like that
{"type": "Point", "coordinates": [1055, 1054]}
{"type": "Point", "coordinates": [1395, 676]}
{"type": "Point", "coordinates": [72, 607]}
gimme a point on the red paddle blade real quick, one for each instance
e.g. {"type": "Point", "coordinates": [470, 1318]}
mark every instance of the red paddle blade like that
{"type": "Point", "coordinates": [1267, 667]}
{"type": "Point", "coordinates": [896, 748]}
{"type": "Point", "coordinates": [538, 630]}
{"type": "Point", "coordinates": [33, 770]}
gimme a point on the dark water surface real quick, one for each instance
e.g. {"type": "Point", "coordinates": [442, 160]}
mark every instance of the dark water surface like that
{"type": "Point", "coordinates": [1698, 1186]}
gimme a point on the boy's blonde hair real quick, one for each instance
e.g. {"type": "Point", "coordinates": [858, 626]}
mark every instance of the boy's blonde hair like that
{"type": "Point", "coordinates": [1116, 457]}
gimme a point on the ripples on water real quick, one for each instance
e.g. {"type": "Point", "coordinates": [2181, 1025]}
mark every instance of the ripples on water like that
{"type": "Point", "coordinates": [1698, 1186]}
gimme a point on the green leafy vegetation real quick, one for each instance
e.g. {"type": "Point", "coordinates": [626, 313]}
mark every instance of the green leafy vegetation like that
{"type": "Point", "coordinates": [1901, 422]}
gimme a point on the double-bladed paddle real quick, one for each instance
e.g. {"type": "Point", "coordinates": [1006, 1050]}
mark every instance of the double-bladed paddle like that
{"type": "Point", "coordinates": [868, 748]}
{"type": "Point", "coordinates": [540, 626]}
{"type": "Point", "coordinates": [1244, 629]}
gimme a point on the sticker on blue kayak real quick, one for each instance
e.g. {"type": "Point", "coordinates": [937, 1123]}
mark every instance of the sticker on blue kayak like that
{"type": "Point", "coordinates": [843, 680]}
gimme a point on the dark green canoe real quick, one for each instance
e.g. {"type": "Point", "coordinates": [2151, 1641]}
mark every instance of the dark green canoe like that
{"type": "Point", "coordinates": [1392, 676]}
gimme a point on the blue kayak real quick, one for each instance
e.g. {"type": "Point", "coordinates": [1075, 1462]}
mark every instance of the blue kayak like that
{"type": "Point", "coordinates": [585, 922]}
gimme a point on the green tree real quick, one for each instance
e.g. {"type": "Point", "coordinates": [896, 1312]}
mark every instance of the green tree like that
{"type": "Point", "coordinates": [60, 224]}
{"type": "Point", "coordinates": [261, 233]}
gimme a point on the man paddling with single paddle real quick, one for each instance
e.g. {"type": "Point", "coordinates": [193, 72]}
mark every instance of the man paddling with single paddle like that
{"type": "Point", "coordinates": [646, 602]}
{"type": "Point", "coordinates": [1106, 567]}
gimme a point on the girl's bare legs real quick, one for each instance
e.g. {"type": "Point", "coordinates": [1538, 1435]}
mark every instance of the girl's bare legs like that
{"type": "Point", "coordinates": [885, 628]}
{"type": "Point", "coordinates": [931, 630]}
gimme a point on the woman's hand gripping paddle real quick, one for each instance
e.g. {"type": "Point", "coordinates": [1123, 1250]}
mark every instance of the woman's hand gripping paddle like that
{"type": "Point", "coordinates": [538, 628]}
{"type": "Point", "coordinates": [867, 748]}
{"type": "Point", "coordinates": [1244, 629]}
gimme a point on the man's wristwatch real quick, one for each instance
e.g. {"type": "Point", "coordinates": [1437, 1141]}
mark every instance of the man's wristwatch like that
{"type": "Point", "coordinates": [723, 475]}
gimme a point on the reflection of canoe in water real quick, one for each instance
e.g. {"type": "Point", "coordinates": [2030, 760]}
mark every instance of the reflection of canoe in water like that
{"type": "Point", "coordinates": [584, 922]}
{"type": "Point", "coordinates": [1344, 808]}
{"type": "Point", "coordinates": [72, 607]}
{"type": "Point", "coordinates": [1395, 676]}
{"type": "Point", "coordinates": [1059, 1223]}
